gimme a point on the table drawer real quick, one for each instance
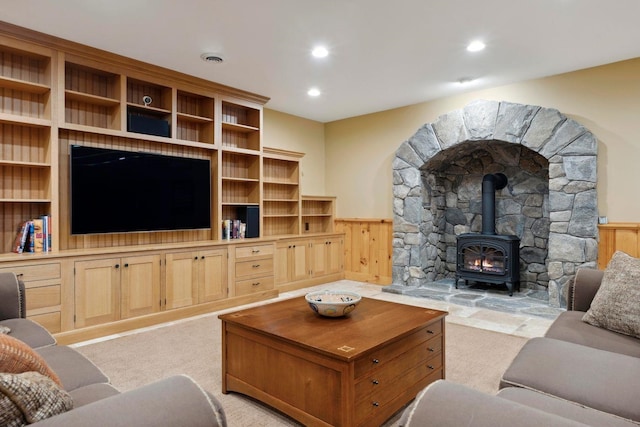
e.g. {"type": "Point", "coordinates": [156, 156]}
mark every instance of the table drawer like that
{"type": "Point", "coordinates": [254, 268]}
{"type": "Point", "coordinates": [383, 355]}
{"type": "Point", "coordinates": [29, 273]}
{"type": "Point", "coordinates": [254, 251]}
{"type": "Point", "coordinates": [427, 355]}
{"type": "Point", "coordinates": [246, 287]}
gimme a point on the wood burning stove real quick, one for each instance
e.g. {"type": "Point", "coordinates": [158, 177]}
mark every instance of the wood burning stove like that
{"type": "Point", "coordinates": [489, 257]}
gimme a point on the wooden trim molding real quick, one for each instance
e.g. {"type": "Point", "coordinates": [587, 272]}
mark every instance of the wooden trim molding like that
{"type": "Point", "coordinates": [618, 236]}
{"type": "Point", "coordinates": [367, 249]}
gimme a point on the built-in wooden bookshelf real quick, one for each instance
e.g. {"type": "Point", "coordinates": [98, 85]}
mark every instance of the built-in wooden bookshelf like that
{"type": "Point", "coordinates": [281, 191]}
{"type": "Point", "coordinates": [318, 214]}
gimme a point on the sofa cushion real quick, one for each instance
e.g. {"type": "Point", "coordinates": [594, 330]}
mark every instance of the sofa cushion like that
{"type": "Point", "coordinates": [569, 326]}
{"type": "Point", "coordinates": [595, 378]}
{"type": "Point", "coordinates": [73, 369]}
{"type": "Point", "coordinates": [92, 393]}
{"type": "Point", "coordinates": [615, 306]}
{"type": "Point", "coordinates": [30, 332]}
{"type": "Point", "coordinates": [563, 408]}
{"type": "Point", "coordinates": [17, 357]}
{"type": "Point", "coordinates": [30, 397]}
{"type": "Point", "coordinates": [447, 404]}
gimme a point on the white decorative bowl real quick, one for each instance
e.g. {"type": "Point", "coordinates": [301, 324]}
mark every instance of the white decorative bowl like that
{"type": "Point", "coordinates": [332, 303]}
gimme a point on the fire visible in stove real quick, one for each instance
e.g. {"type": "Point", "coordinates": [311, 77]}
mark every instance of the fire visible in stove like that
{"type": "Point", "coordinates": [484, 259]}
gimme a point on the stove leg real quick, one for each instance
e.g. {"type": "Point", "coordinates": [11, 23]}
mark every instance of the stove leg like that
{"type": "Point", "coordinates": [510, 288]}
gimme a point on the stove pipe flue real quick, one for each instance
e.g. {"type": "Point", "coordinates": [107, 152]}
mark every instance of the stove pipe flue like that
{"type": "Point", "coordinates": [490, 183]}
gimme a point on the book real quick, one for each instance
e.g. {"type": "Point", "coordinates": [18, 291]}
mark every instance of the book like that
{"type": "Point", "coordinates": [38, 235]}
{"type": "Point", "coordinates": [29, 245]}
{"type": "Point", "coordinates": [21, 237]}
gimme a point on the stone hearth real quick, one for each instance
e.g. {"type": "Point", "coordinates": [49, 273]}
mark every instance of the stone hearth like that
{"type": "Point", "coordinates": [550, 202]}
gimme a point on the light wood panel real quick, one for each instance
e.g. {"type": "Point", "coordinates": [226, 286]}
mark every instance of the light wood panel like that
{"type": "Point", "coordinates": [621, 236]}
{"type": "Point", "coordinates": [367, 249]}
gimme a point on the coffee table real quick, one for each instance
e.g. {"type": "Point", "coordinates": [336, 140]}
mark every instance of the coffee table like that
{"type": "Point", "coordinates": [356, 370]}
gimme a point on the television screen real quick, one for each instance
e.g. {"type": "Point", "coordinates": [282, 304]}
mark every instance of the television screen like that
{"type": "Point", "coordinates": [123, 191]}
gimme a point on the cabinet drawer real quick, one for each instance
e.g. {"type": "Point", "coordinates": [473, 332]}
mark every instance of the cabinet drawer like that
{"type": "Point", "coordinates": [254, 251]}
{"type": "Point", "coordinates": [254, 268]}
{"type": "Point", "coordinates": [427, 355]}
{"type": "Point", "coordinates": [246, 287]}
{"type": "Point", "coordinates": [43, 296]}
{"type": "Point", "coordinates": [383, 355]}
{"type": "Point", "coordinates": [50, 321]}
{"type": "Point", "coordinates": [29, 273]}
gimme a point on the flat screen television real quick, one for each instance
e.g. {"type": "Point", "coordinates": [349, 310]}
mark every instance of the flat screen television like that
{"type": "Point", "coordinates": [116, 191]}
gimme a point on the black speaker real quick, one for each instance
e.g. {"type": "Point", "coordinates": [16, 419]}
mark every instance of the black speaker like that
{"type": "Point", "coordinates": [250, 215]}
{"type": "Point", "coordinates": [148, 125]}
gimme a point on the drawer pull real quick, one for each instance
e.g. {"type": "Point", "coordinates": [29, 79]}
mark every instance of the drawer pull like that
{"type": "Point", "coordinates": [255, 251]}
{"type": "Point", "coordinates": [255, 265]}
{"type": "Point", "coordinates": [429, 331]}
{"type": "Point", "coordinates": [256, 283]}
{"type": "Point", "coordinates": [430, 367]}
{"type": "Point", "coordinates": [375, 382]}
{"type": "Point", "coordinates": [431, 349]}
{"type": "Point", "coordinates": [375, 361]}
{"type": "Point", "coordinates": [376, 404]}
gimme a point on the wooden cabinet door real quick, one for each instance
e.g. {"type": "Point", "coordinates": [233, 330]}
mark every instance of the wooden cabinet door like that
{"type": "Point", "coordinates": [335, 255]}
{"type": "Point", "coordinates": [319, 257]}
{"type": "Point", "coordinates": [181, 275]}
{"type": "Point", "coordinates": [281, 268]}
{"type": "Point", "coordinates": [97, 292]}
{"type": "Point", "coordinates": [140, 281]}
{"type": "Point", "coordinates": [298, 266]}
{"type": "Point", "coordinates": [212, 275]}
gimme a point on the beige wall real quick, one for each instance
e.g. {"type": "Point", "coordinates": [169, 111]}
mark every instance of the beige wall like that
{"type": "Point", "coordinates": [293, 133]}
{"type": "Point", "coordinates": [606, 100]}
{"type": "Point", "coordinates": [351, 158]}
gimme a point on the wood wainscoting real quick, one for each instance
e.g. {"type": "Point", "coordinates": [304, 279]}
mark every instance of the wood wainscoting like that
{"type": "Point", "coordinates": [367, 249]}
{"type": "Point", "coordinates": [618, 236]}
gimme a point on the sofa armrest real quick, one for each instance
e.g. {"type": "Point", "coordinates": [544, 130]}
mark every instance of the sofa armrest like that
{"type": "Point", "coordinates": [173, 401]}
{"type": "Point", "coordinates": [12, 297]}
{"type": "Point", "coordinates": [447, 404]}
{"type": "Point", "coordinates": [584, 287]}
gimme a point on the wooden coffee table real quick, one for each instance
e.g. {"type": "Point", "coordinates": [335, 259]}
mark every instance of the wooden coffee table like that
{"type": "Point", "coordinates": [355, 370]}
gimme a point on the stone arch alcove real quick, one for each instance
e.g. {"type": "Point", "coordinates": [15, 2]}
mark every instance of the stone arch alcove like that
{"type": "Point", "coordinates": [542, 139]}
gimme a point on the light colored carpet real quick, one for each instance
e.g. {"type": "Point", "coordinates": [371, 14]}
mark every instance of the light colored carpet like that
{"type": "Point", "coordinates": [474, 357]}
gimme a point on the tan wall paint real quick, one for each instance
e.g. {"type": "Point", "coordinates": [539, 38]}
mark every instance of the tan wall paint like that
{"type": "Point", "coordinates": [605, 99]}
{"type": "Point", "coordinates": [294, 133]}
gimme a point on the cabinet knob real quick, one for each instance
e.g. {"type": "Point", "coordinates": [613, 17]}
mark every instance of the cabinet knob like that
{"type": "Point", "coordinates": [117, 265]}
{"type": "Point", "coordinates": [126, 265]}
{"type": "Point", "coordinates": [202, 257]}
{"type": "Point", "coordinates": [429, 331]}
{"type": "Point", "coordinates": [375, 382]}
{"type": "Point", "coordinates": [195, 257]}
{"type": "Point", "coordinates": [375, 361]}
{"type": "Point", "coordinates": [430, 367]}
{"type": "Point", "coordinates": [376, 404]}
{"type": "Point", "coordinates": [431, 349]}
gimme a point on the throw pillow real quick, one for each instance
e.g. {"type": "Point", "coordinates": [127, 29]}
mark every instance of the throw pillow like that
{"type": "Point", "coordinates": [615, 306]}
{"type": "Point", "coordinates": [30, 397]}
{"type": "Point", "coordinates": [17, 357]}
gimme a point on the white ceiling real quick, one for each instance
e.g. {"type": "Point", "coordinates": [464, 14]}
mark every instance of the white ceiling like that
{"type": "Point", "coordinates": [384, 54]}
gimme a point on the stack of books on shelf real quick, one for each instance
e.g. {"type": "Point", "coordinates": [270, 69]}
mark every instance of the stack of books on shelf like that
{"type": "Point", "coordinates": [233, 229]}
{"type": "Point", "coordinates": [34, 235]}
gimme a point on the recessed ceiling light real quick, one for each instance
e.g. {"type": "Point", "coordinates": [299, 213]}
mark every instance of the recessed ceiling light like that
{"type": "Point", "coordinates": [313, 92]}
{"type": "Point", "coordinates": [476, 46]}
{"type": "Point", "coordinates": [320, 52]}
{"type": "Point", "coordinates": [465, 81]}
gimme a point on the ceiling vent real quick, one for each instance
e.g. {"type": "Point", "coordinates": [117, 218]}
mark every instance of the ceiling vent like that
{"type": "Point", "coordinates": [212, 57]}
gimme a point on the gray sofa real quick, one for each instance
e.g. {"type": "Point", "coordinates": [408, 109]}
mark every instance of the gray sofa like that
{"type": "Point", "coordinates": [576, 375]}
{"type": "Point", "coordinates": [172, 401]}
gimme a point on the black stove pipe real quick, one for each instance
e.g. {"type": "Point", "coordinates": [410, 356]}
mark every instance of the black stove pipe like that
{"type": "Point", "coordinates": [491, 183]}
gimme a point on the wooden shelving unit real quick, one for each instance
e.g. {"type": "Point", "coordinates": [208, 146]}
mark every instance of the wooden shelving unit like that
{"type": "Point", "coordinates": [281, 192]}
{"type": "Point", "coordinates": [25, 134]}
{"type": "Point", "coordinates": [195, 117]}
{"type": "Point", "coordinates": [318, 214]}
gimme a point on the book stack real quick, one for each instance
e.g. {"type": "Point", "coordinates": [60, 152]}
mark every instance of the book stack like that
{"type": "Point", "coordinates": [233, 229]}
{"type": "Point", "coordinates": [34, 235]}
